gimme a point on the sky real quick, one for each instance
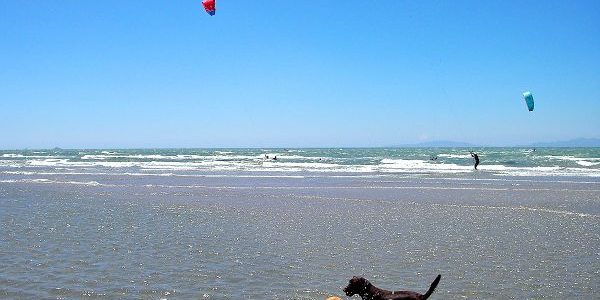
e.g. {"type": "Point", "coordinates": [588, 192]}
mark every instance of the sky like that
{"type": "Point", "coordinates": [273, 73]}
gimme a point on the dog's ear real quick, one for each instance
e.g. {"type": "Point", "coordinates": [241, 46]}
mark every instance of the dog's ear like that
{"type": "Point", "coordinates": [363, 281]}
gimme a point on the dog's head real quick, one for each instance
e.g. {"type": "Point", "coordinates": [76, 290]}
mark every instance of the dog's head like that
{"type": "Point", "coordinates": [356, 285]}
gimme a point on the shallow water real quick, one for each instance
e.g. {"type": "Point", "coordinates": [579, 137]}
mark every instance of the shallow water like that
{"type": "Point", "coordinates": [223, 237]}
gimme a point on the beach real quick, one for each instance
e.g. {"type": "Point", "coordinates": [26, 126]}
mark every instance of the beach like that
{"type": "Point", "coordinates": [162, 228]}
{"type": "Point", "coordinates": [268, 150]}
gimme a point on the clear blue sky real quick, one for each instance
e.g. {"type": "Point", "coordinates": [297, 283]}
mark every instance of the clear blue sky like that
{"type": "Point", "coordinates": [296, 73]}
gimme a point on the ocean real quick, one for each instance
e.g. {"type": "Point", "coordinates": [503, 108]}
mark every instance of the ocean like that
{"type": "Point", "coordinates": [495, 162]}
{"type": "Point", "coordinates": [239, 224]}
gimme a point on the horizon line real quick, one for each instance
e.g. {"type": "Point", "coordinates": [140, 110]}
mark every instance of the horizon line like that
{"type": "Point", "coordinates": [289, 148]}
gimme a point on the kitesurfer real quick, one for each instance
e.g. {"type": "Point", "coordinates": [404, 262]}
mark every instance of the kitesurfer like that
{"type": "Point", "coordinates": [476, 157]}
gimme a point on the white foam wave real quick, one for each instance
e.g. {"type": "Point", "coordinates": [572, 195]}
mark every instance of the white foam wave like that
{"type": "Point", "coordinates": [287, 156]}
{"type": "Point", "coordinates": [191, 157]}
{"type": "Point", "coordinates": [415, 165]}
{"type": "Point", "coordinates": [296, 150]}
{"type": "Point", "coordinates": [523, 208]}
{"type": "Point", "coordinates": [582, 161]}
{"type": "Point", "coordinates": [48, 162]}
{"type": "Point", "coordinates": [137, 156]}
{"type": "Point", "coordinates": [96, 157]}
{"type": "Point", "coordinates": [29, 173]}
{"type": "Point", "coordinates": [172, 157]}
{"type": "Point", "coordinates": [254, 176]}
{"type": "Point", "coordinates": [45, 180]}
{"type": "Point", "coordinates": [586, 163]}
{"type": "Point", "coordinates": [314, 165]}
{"type": "Point", "coordinates": [257, 163]}
{"type": "Point", "coordinates": [17, 155]}
{"type": "Point", "coordinates": [454, 155]}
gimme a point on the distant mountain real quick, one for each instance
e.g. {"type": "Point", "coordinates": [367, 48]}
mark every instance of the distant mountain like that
{"type": "Point", "coordinates": [581, 142]}
{"type": "Point", "coordinates": [440, 144]}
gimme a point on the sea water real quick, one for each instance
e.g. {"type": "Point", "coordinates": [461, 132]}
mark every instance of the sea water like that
{"type": "Point", "coordinates": [581, 162]}
{"type": "Point", "coordinates": [234, 224]}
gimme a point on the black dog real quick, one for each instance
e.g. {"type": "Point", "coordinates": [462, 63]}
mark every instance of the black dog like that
{"type": "Point", "coordinates": [367, 291]}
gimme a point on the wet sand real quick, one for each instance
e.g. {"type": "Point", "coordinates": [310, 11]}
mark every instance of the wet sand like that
{"type": "Point", "coordinates": [299, 238]}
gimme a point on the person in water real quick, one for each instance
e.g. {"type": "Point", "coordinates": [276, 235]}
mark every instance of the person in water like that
{"type": "Point", "coordinates": [476, 157]}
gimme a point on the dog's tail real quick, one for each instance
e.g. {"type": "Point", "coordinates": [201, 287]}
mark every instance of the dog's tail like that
{"type": "Point", "coordinates": [432, 287]}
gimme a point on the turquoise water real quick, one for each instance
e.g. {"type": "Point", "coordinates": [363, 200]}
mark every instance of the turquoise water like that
{"type": "Point", "coordinates": [578, 162]}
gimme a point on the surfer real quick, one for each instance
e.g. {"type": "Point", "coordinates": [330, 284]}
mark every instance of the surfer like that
{"type": "Point", "coordinates": [476, 157]}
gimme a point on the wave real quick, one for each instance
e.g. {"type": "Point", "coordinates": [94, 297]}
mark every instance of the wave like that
{"type": "Point", "coordinates": [387, 166]}
{"type": "Point", "coordinates": [462, 156]}
{"type": "Point", "coordinates": [13, 155]}
{"type": "Point", "coordinates": [21, 156]}
{"type": "Point", "coordinates": [362, 162]}
{"type": "Point", "coordinates": [523, 208]}
{"type": "Point", "coordinates": [582, 161]}
{"type": "Point", "coordinates": [45, 180]}
{"type": "Point", "coordinates": [171, 157]}
{"type": "Point", "coordinates": [109, 152]}
{"type": "Point", "coordinates": [415, 165]}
